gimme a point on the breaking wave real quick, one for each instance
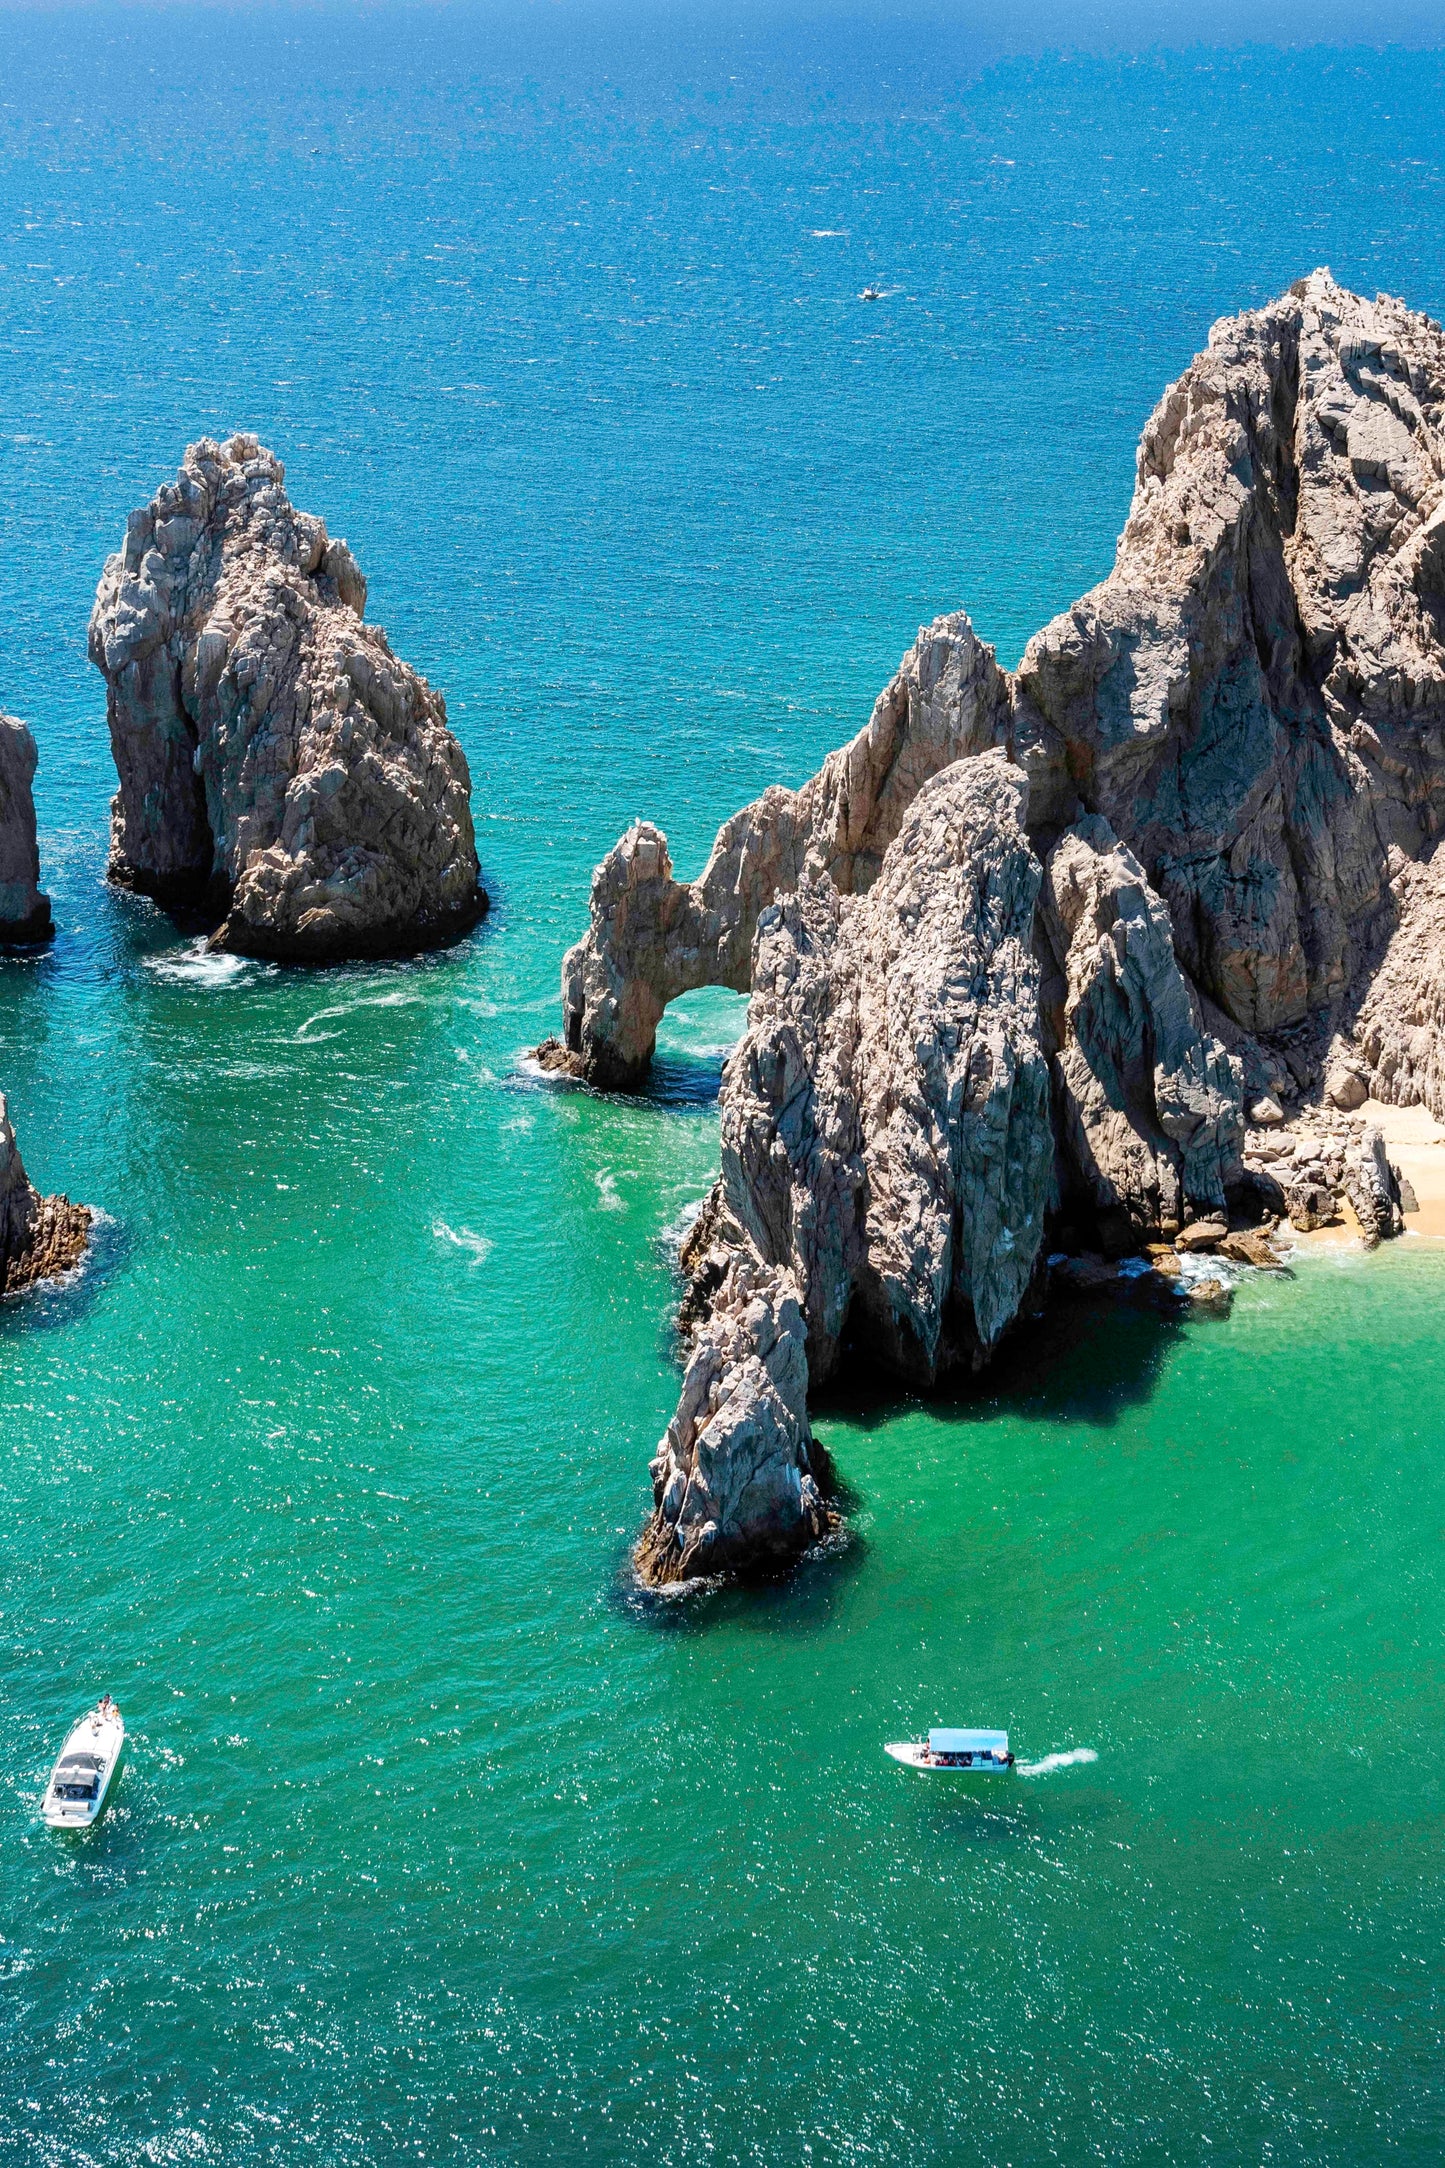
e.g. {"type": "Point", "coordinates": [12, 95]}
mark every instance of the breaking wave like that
{"type": "Point", "coordinates": [196, 965]}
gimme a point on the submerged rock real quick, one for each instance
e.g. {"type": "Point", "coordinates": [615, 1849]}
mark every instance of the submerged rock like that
{"type": "Point", "coordinates": [277, 762]}
{"type": "Point", "coordinates": [40, 1237]}
{"type": "Point", "coordinates": [24, 912]}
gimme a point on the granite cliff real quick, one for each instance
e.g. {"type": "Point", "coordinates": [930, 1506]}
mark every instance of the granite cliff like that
{"type": "Point", "coordinates": [1079, 945]}
{"type": "Point", "coordinates": [24, 912]}
{"type": "Point", "coordinates": [40, 1237]}
{"type": "Point", "coordinates": [278, 764]}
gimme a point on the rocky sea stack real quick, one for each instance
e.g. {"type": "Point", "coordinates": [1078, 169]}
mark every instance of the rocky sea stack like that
{"type": "Point", "coordinates": [1101, 954]}
{"type": "Point", "coordinates": [279, 766]}
{"type": "Point", "coordinates": [24, 912]}
{"type": "Point", "coordinates": [40, 1237]}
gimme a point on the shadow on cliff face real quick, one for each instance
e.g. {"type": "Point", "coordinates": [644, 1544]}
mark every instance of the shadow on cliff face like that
{"type": "Point", "coordinates": [1087, 1359]}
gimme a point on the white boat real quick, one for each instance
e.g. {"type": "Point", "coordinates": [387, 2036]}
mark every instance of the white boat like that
{"type": "Point", "coordinates": [81, 1779]}
{"type": "Point", "coordinates": [984, 1752]}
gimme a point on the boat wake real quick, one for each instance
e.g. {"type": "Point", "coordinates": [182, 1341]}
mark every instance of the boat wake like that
{"type": "Point", "coordinates": [1050, 1762]}
{"type": "Point", "coordinates": [478, 1247]}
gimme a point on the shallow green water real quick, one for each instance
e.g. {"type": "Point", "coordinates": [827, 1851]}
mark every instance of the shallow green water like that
{"type": "Point", "coordinates": [435, 1843]}
{"type": "Point", "coordinates": [433, 1838]}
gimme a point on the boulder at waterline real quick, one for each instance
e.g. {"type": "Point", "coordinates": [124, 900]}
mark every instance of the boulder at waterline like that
{"type": "Point", "coordinates": [40, 1237]}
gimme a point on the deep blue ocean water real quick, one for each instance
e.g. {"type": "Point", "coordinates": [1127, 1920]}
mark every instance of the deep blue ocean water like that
{"type": "Point", "coordinates": [434, 1843]}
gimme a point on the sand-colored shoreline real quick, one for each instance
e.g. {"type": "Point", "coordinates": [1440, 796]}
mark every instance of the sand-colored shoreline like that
{"type": "Point", "coordinates": [1415, 1142]}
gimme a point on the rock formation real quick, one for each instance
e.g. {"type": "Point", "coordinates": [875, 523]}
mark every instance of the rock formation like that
{"type": "Point", "coordinates": [1255, 697]}
{"type": "Point", "coordinates": [1399, 1029]}
{"type": "Point", "coordinates": [652, 938]}
{"type": "Point", "coordinates": [40, 1237]}
{"type": "Point", "coordinates": [887, 1159]}
{"type": "Point", "coordinates": [736, 1479]}
{"type": "Point", "coordinates": [1150, 1103]}
{"type": "Point", "coordinates": [1234, 750]}
{"type": "Point", "coordinates": [24, 912]}
{"type": "Point", "coordinates": [278, 764]}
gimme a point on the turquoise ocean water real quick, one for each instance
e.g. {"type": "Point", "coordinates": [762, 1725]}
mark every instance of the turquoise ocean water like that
{"type": "Point", "coordinates": [435, 1843]}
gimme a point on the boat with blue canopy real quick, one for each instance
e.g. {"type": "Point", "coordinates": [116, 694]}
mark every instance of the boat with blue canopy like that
{"type": "Point", "coordinates": [950, 1747]}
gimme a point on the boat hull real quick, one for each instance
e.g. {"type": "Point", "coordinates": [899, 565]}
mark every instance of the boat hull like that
{"type": "Point", "coordinates": [915, 1756]}
{"type": "Point", "coordinates": [103, 1737]}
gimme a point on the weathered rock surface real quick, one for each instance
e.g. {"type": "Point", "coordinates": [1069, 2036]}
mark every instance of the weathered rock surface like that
{"type": "Point", "coordinates": [1150, 1103]}
{"type": "Point", "coordinates": [24, 912]}
{"type": "Point", "coordinates": [1255, 697]}
{"type": "Point", "coordinates": [1373, 1188]}
{"type": "Point", "coordinates": [886, 1138]}
{"type": "Point", "coordinates": [1246, 1246]}
{"type": "Point", "coordinates": [736, 1480]}
{"type": "Point", "coordinates": [652, 937]}
{"type": "Point", "coordinates": [1400, 1027]}
{"type": "Point", "coordinates": [1235, 751]}
{"type": "Point", "coordinates": [276, 759]}
{"type": "Point", "coordinates": [40, 1237]}
{"type": "Point", "coordinates": [885, 1117]}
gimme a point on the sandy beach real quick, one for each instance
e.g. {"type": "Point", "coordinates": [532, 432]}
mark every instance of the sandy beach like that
{"type": "Point", "coordinates": [1416, 1144]}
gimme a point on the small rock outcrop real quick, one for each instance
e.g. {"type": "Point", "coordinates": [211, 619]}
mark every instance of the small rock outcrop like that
{"type": "Point", "coordinates": [1373, 1188]}
{"type": "Point", "coordinates": [24, 912]}
{"type": "Point", "coordinates": [40, 1237]}
{"type": "Point", "coordinates": [1230, 757]}
{"type": "Point", "coordinates": [652, 937]}
{"type": "Point", "coordinates": [277, 762]}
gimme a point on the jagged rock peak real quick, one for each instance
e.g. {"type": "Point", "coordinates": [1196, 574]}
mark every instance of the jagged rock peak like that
{"type": "Point", "coordinates": [1255, 697]}
{"type": "Point", "coordinates": [275, 758]}
{"type": "Point", "coordinates": [739, 1479]}
{"type": "Point", "coordinates": [24, 912]}
{"type": "Point", "coordinates": [40, 1237]}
